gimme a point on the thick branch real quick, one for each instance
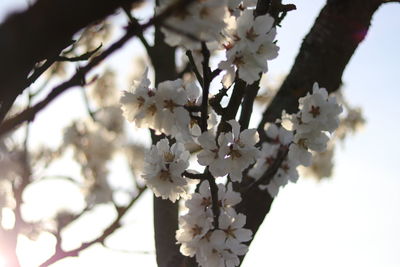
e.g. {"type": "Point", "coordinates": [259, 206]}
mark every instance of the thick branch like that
{"type": "Point", "coordinates": [78, 78]}
{"type": "Point", "coordinates": [324, 54]}
{"type": "Point", "coordinates": [39, 33]}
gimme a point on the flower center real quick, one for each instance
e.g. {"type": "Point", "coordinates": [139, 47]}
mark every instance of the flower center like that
{"type": "Point", "coordinates": [165, 176]}
{"type": "Point", "coordinates": [251, 35]}
{"type": "Point", "coordinates": [169, 157]}
{"type": "Point", "coordinates": [170, 105]}
{"type": "Point", "coordinates": [315, 111]}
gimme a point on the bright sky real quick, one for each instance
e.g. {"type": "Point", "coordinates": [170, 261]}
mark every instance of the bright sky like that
{"type": "Point", "coordinates": [350, 220]}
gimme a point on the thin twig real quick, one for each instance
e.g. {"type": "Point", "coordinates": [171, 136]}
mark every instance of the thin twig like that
{"type": "Point", "coordinates": [215, 101]}
{"type": "Point", "coordinates": [194, 67]}
{"type": "Point", "coordinates": [192, 108]}
{"type": "Point", "coordinates": [61, 254]}
{"type": "Point", "coordinates": [207, 78]}
{"type": "Point", "coordinates": [82, 57]}
{"type": "Point", "coordinates": [199, 176]}
{"type": "Point", "coordinates": [135, 23]}
{"type": "Point", "coordinates": [214, 196]}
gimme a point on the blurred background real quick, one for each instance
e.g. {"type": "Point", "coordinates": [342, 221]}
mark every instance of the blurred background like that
{"type": "Point", "coordinates": [349, 219]}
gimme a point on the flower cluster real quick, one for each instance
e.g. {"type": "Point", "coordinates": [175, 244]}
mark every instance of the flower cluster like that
{"type": "Point", "coordinates": [161, 109]}
{"type": "Point", "coordinates": [212, 230]}
{"type": "Point", "coordinates": [227, 25]}
{"type": "Point", "coordinates": [164, 166]}
{"type": "Point", "coordinates": [318, 114]}
{"type": "Point", "coordinates": [233, 152]}
{"type": "Point", "coordinates": [197, 235]}
{"type": "Point", "coordinates": [249, 44]}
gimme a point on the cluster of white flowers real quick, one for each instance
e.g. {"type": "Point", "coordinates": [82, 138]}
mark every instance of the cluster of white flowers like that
{"type": "Point", "coordinates": [278, 140]}
{"type": "Point", "coordinates": [248, 40]}
{"type": "Point", "coordinates": [212, 230]}
{"type": "Point", "coordinates": [164, 166]}
{"type": "Point", "coordinates": [231, 153]}
{"type": "Point", "coordinates": [249, 44]}
{"type": "Point", "coordinates": [318, 114]}
{"type": "Point", "coordinates": [198, 236]}
{"type": "Point", "coordinates": [234, 152]}
{"type": "Point", "coordinates": [162, 109]}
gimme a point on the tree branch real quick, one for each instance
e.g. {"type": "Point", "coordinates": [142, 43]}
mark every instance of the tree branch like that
{"type": "Point", "coordinates": [229, 113]}
{"type": "Point", "coordinates": [61, 254]}
{"type": "Point", "coordinates": [39, 33]}
{"type": "Point", "coordinates": [78, 78]}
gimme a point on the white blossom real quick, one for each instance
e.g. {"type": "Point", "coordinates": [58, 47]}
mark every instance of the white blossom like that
{"type": "Point", "coordinates": [172, 117]}
{"type": "Point", "coordinates": [278, 135]}
{"type": "Point", "coordinates": [162, 109]}
{"type": "Point", "coordinates": [197, 235]}
{"type": "Point", "coordinates": [209, 156]}
{"type": "Point", "coordinates": [318, 114]}
{"type": "Point", "coordinates": [191, 231]}
{"type": "Point", "coordinates": [265, 159]}
{"type": "Point", "coordinates": [163, 170]}
{"type": "Point", "coordinates": [235, 234]}
{"type": "Point", "coordinates": [249, 44]}
{"type": "Point", "coordinates": [238, 149]}
{"type": "Point", "coordinates": [227, 198]}
{"type": "Point", "coordinates": [320, 111]}
{"type": "Point", "coordinates": [139, 104]}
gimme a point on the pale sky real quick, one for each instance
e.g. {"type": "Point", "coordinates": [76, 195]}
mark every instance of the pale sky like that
{"type": "Point", "coordinates": [351, 219]}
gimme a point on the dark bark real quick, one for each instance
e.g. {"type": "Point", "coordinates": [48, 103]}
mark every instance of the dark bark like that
{"type": "Point", "coordinates": [40, 33]}
{"type": "Point", "coordinates": [324, 54]}
{"type": "Point", "coordinates": [165, 212]}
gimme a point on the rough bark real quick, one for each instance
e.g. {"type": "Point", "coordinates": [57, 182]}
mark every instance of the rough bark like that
{"type": "Point", "coordinates": [40, 33]}
{"type": "Point", "coordinates": [323, 56]}
{"type": "Point", "coordinates": [325, 52]}
{"type": "Point", "coordinates": [165, 212]}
